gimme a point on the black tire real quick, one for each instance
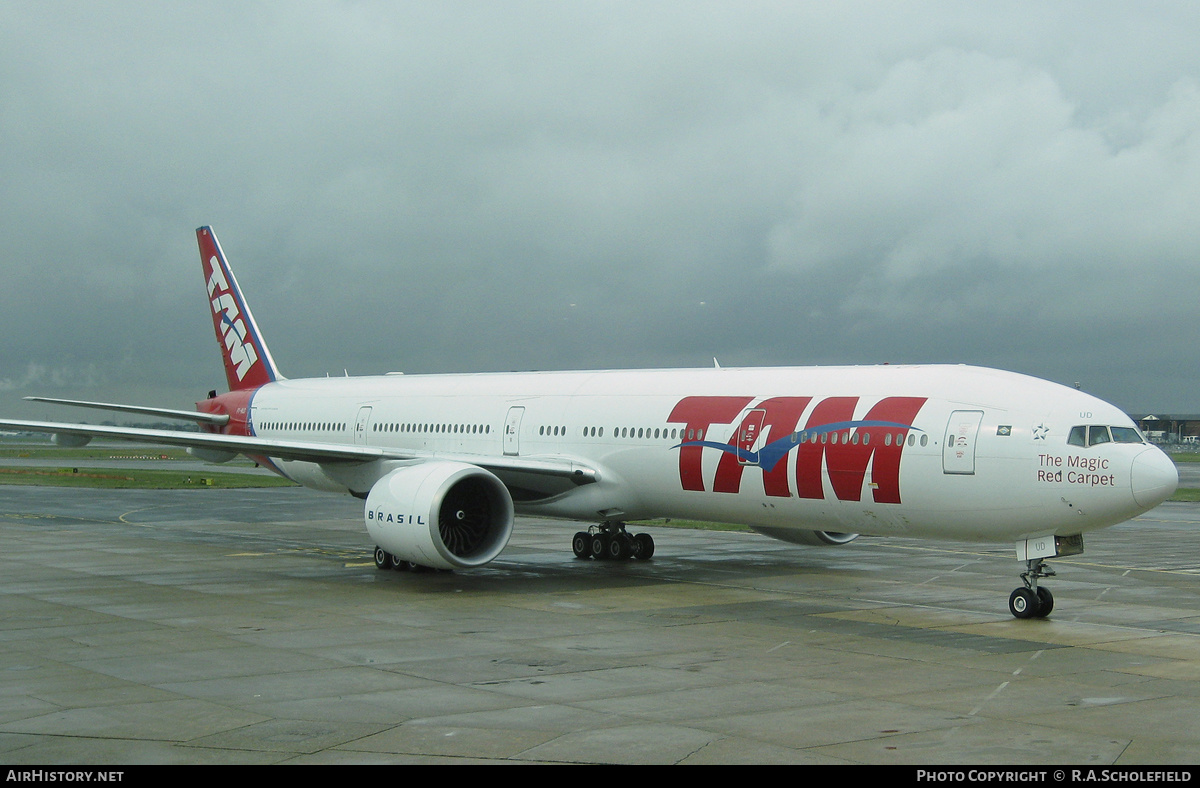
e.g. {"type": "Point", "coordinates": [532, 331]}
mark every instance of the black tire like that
{"type": "Point", "coordinates": [645, 546]}
{"type": "Point", "coordinates": [581, 545]}
{"type": "Point", "coordinates": [618, 547]}
{"type": "Point", "coordinates": [600, 545]}
{"type": "Point", "coordinates": [383, 559]}
{"type": "Point", "coordinates": [1045, 602]}
{"type": "Point", "coordinates": [1024, 603]}
{"type": "Point", "coordinates": [399, 564]}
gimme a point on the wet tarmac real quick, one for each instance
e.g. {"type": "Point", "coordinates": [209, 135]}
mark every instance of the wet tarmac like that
{"type": "Point", "coordinates": [251, 626]}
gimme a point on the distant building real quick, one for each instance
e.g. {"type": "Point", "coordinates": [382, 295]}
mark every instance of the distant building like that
{"type": "Point", "coordinates": [1169, 427]}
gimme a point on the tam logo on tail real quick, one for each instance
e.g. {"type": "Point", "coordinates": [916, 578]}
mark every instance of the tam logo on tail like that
{"type": "Point", "coordinates": [239, 348]}
{"type": "Point", "coordinates": [247, 361]}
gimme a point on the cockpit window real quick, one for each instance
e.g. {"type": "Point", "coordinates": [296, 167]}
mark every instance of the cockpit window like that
{"type": "Point", "coordinates": [1095, 434]}
{"type": "Point", "coordinates": [1126, 435]}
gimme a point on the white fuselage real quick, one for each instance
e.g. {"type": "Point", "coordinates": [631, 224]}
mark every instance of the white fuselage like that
{"type": "Point", "coordinates": [950, 452]}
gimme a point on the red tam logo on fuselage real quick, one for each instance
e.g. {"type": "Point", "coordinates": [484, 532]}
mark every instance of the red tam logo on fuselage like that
{"type": "Point", "coordinates": [830, 435]}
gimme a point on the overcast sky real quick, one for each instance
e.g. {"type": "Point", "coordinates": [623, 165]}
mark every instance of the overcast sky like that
{"type": "Point", "coordinates": [477, 186]}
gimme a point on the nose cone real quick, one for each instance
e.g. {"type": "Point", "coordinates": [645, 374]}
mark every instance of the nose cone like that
{"type": "Point", "coordinates": [1154, 478]}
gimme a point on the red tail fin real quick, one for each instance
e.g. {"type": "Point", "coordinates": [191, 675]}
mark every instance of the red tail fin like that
{"type": "Point", "coordinates": [248, 363]}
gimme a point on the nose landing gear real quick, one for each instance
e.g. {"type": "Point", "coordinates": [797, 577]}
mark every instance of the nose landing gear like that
{"type": "Point", "coordinates": [1032, 600]}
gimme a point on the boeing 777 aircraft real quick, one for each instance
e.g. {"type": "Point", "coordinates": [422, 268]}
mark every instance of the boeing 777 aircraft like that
{"type": "Point", "coordinates": [811, 455]}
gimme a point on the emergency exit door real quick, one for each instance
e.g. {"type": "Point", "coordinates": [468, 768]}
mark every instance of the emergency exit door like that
{"type": "Point", "coordinates": [748, 434]}
{"type": "Point", "coordinates": [360, 424]}
{"type": "Point", "coordinates": [512, 431]}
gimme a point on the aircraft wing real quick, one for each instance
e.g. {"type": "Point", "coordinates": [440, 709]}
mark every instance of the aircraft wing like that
{"type": "Point", "coordinates": [322, 453]}
{"type": "Point", "coordinates": [218, 419]}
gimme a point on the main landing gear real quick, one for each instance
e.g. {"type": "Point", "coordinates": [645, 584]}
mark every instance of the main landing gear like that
{"type": "Point", "coordinates": [1032, 600]}
{"type": "Point", "coordinates": [385, 560]}
{"type": "Point", "coordinates": [610, 541]}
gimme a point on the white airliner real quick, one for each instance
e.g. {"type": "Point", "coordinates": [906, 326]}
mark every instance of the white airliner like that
{"type": "Point", "coordinates": [811, 455]}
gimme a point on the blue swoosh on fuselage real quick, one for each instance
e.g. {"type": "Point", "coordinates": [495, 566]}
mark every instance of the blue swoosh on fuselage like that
{"type": "Point", "coordinates": [769, 456]}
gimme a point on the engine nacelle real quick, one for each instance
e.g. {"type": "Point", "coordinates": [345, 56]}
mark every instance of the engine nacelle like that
{"type": "Point", "coordinates": [440, 514]}
{"type": "Point", "coordinates": [796, 536]}
{"type": "Point", "coordinates": [211, 455]}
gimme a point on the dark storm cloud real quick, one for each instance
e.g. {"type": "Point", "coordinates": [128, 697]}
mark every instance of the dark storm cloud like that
{"type": "Point", "coordinates": [461, 186]}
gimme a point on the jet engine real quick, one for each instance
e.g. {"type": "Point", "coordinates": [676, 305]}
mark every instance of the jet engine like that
{"type": "Point", "coordinates": [440, 514]}
{"type": "Point", "coordinates": [818, 538]}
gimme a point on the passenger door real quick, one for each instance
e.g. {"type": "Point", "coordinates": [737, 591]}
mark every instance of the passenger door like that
{"type": "Point", "coordinates": [958, 450]}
